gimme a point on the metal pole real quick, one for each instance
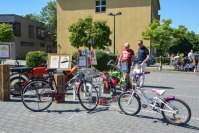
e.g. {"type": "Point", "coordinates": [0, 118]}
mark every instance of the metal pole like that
{"type": "Point", "coordinates": [114, 36]}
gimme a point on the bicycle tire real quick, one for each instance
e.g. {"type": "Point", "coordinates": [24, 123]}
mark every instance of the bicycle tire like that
{"type": "Point", "coordinates": [129, 108]}
{"type": "Point", "coordinates": [36, 95]}
{"type": "Point", "coordinates": [16, 84]}
{"type": "Point", "coordinates": [88, 95]}
{"type": "Point", "coordinates": [173, 118]}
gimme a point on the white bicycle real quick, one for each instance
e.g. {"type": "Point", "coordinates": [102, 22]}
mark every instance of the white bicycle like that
{"type": "Point", "coordinates": [174, 110]}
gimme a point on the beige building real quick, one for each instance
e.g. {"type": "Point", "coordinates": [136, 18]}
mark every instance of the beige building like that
{"type": "Point", "coordinates": [29, 35]}
{"type": "Point", "coordinates": [135, 16]}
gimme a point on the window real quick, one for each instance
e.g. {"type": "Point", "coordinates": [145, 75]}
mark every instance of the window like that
{"type": "Point", "coordinates": [27, 44]}
{"type": "Point", "coordinates": [31, 31]}
{"type": "Point", "coordinates": [42, 44]}
{"type": "Point", "coordinates": [17, 29]}
{"type": "Point", "coordinates": [40, 33]}
{"type": "Point", "coordinates": [100, 6]}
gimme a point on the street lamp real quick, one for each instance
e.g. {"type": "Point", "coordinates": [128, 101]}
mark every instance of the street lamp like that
{"type": "Point", "coordinates": [116, 14]}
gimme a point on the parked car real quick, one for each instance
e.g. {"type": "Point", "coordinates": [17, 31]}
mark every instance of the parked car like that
{"type": "Point", "coordinates": [186, 59]}
{"type": "Point", "coordinates": [151, 60]}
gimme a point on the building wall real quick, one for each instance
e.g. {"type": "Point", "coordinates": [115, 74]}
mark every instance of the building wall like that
{"type": "Point", "coordinates": [136, 15]}
{"type": "Point", "coordinates": [20, 50]}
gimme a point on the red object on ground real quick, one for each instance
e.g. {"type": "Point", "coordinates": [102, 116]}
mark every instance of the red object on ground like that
{"type": "Point", "coordinates": [102, 101]}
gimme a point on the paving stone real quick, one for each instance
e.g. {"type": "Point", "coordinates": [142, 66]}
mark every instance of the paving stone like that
{"type": "Point", "coordinates": [71, 117]}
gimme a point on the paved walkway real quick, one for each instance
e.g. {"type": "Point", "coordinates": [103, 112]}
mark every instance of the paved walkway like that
{"type": "Point", "coordinates": [70, 117]}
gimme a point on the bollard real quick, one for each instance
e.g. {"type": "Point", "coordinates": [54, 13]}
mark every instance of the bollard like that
{"type": "Point", "coordinates": [4, 82]}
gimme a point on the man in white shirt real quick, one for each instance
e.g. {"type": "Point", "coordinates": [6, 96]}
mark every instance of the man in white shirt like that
{"type": "Point", "coordinates": [191, 56]}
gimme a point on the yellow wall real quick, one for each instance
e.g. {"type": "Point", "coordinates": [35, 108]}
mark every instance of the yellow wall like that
{"type": "Point", "coordinates": [135, 16]}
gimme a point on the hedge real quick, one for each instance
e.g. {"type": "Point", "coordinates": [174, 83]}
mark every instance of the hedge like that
{"type": "Point", "coordinates": [36, 58]}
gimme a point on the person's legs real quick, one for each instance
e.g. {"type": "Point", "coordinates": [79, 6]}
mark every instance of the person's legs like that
{"type": "Point", "coordinates": [170, 63]}
{"type": "Point", "coordinates": [129, 68]}
{"type": "Point", "coordinates": [142, 78]}
{"type": "Point", "coordinates": [128, 84]}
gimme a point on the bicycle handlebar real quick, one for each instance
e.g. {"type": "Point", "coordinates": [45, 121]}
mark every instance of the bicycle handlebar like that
{"type": "Point", "coordinates": [111, 63]}
{"type": "Point", "coordinates": [139, 74]}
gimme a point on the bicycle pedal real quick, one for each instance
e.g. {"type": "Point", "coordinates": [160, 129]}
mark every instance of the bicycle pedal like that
{"type": "Point", "coordinates": [144, 106]}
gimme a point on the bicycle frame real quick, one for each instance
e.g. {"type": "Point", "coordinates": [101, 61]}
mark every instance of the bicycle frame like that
{"type": "Point", "coordinates": [152, 102]}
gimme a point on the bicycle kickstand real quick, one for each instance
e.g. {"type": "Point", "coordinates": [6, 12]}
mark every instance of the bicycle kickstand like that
{"type": "Point", "coordinates": [154, 117]}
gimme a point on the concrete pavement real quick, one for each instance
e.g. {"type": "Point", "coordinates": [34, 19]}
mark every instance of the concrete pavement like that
{"type": "Point", "coordinates": [70, 117]}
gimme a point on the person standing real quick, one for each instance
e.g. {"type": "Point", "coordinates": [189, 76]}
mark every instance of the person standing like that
{"type": "Point", "coordinates": [127, 55]}
{"type": "Point", "coordinates": [191, 57]}
{"type": "Point", "coordinates": [143, 57]}
{"type": "Point", "coordinates": [171, 60]}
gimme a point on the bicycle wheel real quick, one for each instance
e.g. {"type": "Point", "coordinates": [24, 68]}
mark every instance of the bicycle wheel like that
{"type": "Point", "coordinates": [182, 112]}
{"type": "Point", "coordinates": [88, 95]}
{"type": "Point", "coordinates": [37, 95]}
{"type": "Point", "coordinates": [16, 84]}
{"type": "Point", "coordinates": [129, 104]}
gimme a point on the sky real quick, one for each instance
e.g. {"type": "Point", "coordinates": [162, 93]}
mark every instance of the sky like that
{"type": "Point", "coordinates": [182, 12]}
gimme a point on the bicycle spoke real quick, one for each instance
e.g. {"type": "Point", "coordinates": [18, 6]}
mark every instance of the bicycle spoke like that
{"type": "Point", "coordinates": [34, 96]}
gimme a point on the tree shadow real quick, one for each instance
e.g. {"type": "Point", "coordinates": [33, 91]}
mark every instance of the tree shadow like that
{"type": "Point", "coordinates": [77, 110]}
{"type": "Point", "coordinates": [18, 99]}
{"type": "Point", "coordinates": [98, 110]}
{"type": "Point", "coordinates": [158, 87]}
{"type": "Point", "coordinates": [14, 99]}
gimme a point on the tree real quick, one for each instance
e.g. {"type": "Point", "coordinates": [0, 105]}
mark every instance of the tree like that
{"type": "Point", "coordinates": [85, 29]}
{"type": "Point", "coordinates": [33, 16]}
{"type": "Point", "coordinates": [49, 17]}
{"type": "Point", "coordinates": [6, 33]}
{"type": "Point", "coordinates": [185, 43]}
{"type": "Point", "coordinates": [161, 34]}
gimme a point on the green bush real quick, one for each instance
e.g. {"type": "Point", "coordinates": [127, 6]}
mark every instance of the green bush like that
{"type": "Point", "coordinates": [36, 58]}
{"type": "Point", "coordinates": [74, 56]}
{"type": "Point", "coordinates": [102, 60]}
{"type": "Point", "coordinates": [165, 60]}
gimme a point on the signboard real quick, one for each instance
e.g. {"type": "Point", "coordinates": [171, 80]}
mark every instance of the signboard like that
{"type": "Point", "coordinates": [82, 61]}
{"type": "Point", "coordinates": [55, 61]}
{"type": "Point", "coordinates": [91, 56]}
{"type": "Point", "coordinates": [124, 66]}
{"type": "Point", "coordinates": [4, 51]}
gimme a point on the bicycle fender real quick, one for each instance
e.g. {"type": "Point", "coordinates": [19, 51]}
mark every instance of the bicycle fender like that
{"type": "Point", "coordinates": [170, 97]}
{"type": "Point", "coordinates": [13, 75]}
{"type": "Point", "coordinates": [167, 99]}
{"type": "Point", "coordinates": [135, 94]}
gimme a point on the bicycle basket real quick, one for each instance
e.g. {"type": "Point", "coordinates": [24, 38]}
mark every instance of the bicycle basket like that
{"type": "Point", "coordinates": [135, 76]}
{"type": "Point", "coordinates": [106, 84]}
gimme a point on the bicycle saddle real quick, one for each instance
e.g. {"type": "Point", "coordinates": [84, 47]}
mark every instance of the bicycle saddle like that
{"type": "Point", "coordinates": [21, 69]}
{"type": "Point", "coordinates": [159, 92]}
{"type": "Point", "coordinates": [51, 69]}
